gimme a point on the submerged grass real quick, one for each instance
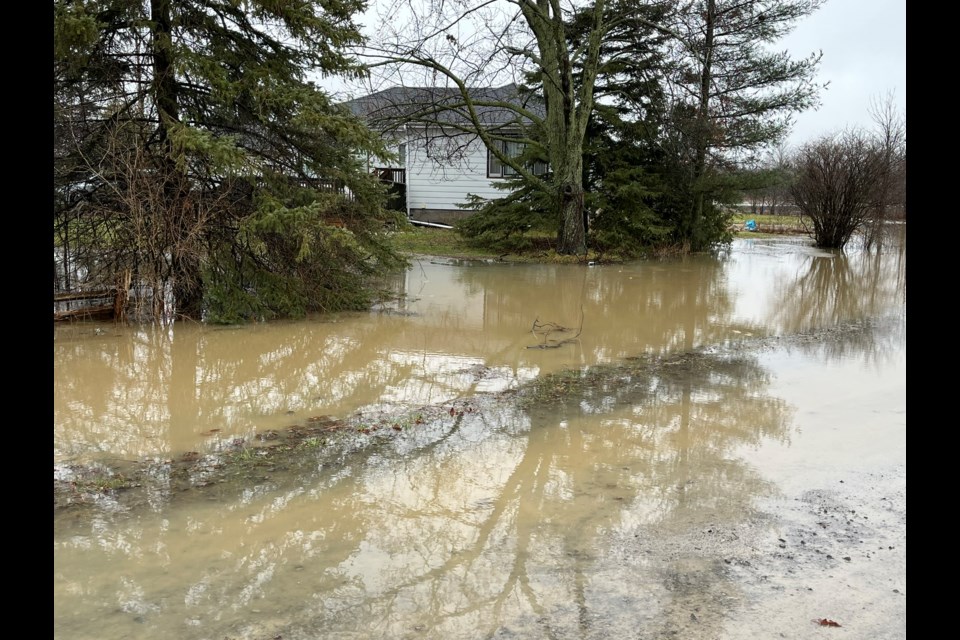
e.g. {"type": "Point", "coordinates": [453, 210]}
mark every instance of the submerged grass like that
{"type": "Point", "coordinates": [239, 462]}
{"type": "Point", "coordinates": [771, 225]}
{"type": "Point", "coordinates": [433, 241]}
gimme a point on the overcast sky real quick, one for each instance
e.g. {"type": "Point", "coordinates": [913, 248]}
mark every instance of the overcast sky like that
{"type": "Point", "coordinates": [864, 44]}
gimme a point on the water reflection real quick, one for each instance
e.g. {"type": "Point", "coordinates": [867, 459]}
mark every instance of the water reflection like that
{"type": "Point", "coordinates": [830, 290]}
{"type": "Point", "coordinates": [563, 514]}
{"type": "Point", "coordinates": [492, 518]}
{"type": "Point", "coordinates": [139, 391]}
{"type": "Point", "coordinates": [145, 391]}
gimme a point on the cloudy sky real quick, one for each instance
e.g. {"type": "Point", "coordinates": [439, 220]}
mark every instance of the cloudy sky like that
{"type": "Point", "coordinates": [864, 44]}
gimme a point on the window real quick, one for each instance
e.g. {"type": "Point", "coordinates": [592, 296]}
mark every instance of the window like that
{"type": "Point", "coordinates": [513, 149]}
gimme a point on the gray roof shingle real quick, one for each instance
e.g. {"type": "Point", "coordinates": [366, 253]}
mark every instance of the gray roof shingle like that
{"type": "Point", "coordinates": [444, 105]}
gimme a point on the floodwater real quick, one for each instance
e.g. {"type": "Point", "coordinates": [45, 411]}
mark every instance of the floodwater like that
{"type": "Point", "coordinates": [643, 503]}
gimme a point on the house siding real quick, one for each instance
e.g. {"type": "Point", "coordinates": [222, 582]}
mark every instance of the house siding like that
{"type": "Point", "coordinates": [441, 172]}
{"type": "Point", "coordinates": [438, 183]}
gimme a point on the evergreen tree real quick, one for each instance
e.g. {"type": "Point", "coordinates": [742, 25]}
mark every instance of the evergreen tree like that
{"type": "Point", "coordinates": [620, 154]}
{"type": "Point", "coordinates": [623, 156]}
{"type": "Point", "coordinates": [684, 96]}
{"type": "Point", "coordinates": [193, 151]}
{"type": "Point", "coordinates": [732, 93]}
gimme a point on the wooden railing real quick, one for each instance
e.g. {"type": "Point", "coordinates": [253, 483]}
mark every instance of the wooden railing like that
{"type": "Point", "coordinates": [391, 175]}
{"type": "Point", "coordinates": [88, 305]}
{"type": "Point", "coordinates": [388, 175]}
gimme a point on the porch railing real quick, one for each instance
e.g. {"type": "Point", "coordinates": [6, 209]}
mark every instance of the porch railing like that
{"type": "Point", "coordinates": [391, 175]}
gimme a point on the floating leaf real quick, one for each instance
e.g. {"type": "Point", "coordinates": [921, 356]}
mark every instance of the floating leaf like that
{"type": "Point", "coordinates": [825, 622]}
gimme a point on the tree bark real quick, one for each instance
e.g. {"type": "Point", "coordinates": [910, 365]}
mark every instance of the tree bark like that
{"type": "Point", "coordinates": [572, 236]}
{"type": "Point", "coordinates": [703, 125]}
{"type": "Point", "coordinates": [178, 215]}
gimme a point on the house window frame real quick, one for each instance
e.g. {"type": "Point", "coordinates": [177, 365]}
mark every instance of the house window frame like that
{"type": "Point", "coordinates": [497, 170]}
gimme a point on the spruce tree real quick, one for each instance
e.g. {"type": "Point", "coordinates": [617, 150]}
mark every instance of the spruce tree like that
{"type": "Point", "coordinates": [733, 92]}
{"type": "Point", "coordinates": [194, 150]}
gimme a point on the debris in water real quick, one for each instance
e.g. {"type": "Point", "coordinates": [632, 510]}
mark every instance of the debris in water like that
{"type": "Point", "coordinates": [824, 622]}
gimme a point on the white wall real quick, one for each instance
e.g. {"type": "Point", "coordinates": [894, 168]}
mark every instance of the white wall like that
{"type": "Point", "coordinates": [441, 171]}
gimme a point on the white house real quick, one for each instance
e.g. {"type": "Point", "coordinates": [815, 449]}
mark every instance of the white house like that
{"type": "Point", "coordinates": [440, 162]}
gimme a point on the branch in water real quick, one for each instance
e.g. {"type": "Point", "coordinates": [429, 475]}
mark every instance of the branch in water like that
{"type": "Point", "coordinates": [547, 328]}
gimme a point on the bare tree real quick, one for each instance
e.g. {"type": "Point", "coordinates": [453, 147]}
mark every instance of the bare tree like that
{"type": "Point", "coordinates": [891, 135]}
{"type": "Point", "coordinates": [836, 180]}
{"type": "Point", "coordinates": [769, 191]}
{"type": "Point", "coordinates": [466, 45]}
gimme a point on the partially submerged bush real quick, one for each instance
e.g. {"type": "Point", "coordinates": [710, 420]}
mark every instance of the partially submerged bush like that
{"type": "Point", "coordinates": [836, 185]}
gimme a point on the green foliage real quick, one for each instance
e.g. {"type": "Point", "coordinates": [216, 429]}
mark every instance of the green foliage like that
{"type": "Point", "coordinates": [734, 94]}
{"type": "Point", "coordinates": [75, 30]}
{"type": "Point", "coordinates": [625, 190]}
{"type": "Point", "coordinates": [626, 222]}
{"type": "Point", "coordinates": [505, 224]}
{"type": "Point", "coordinates": [754, 86]}
{"type": "Point", "coordinates": [228, 175]}
{"type": "Point", "coordinates": [624, 161]}
{"type": "Point", "coordinates": [679, 202]}
{"type": "Point", "coordinates": [290, 259]}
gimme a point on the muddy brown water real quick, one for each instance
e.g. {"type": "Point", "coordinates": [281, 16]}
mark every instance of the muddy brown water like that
{"type": "Point", "coordinates": [708, 447]}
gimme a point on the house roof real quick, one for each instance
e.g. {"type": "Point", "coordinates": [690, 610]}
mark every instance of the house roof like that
{"type": "Point", "coordinates": [444, 105]}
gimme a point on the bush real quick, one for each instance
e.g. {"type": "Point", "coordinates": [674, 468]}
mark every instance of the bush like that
{"type": "Point", "coordinates": [836, 185]}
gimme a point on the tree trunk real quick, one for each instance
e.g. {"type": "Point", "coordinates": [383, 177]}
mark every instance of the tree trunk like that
{"type": "Point", "coordinates": [178, 214]}
{"type": "Point", "coordinates": [702, 127]}
{"type": "Point", "coordinates": [572, 239]}
{"type": "Point", "coordinates": [187, 288]}
{"type": "Point", "coordinates": [572, 232]}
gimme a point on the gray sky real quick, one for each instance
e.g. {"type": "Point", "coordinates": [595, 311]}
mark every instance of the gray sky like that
{"type": "Point", "coordinates": [864, 44]}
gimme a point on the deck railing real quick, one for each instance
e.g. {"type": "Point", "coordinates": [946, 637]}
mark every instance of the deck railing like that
{"type": "Point", "coordinates": [391, 175]}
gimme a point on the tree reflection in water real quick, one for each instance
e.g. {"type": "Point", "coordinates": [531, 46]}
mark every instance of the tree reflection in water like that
{"type": "Point", "coordinates": [588, 503]}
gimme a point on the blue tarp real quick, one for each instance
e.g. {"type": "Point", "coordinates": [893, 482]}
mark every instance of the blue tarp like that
{"type": "Point", "coordinates": [750, 225]}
